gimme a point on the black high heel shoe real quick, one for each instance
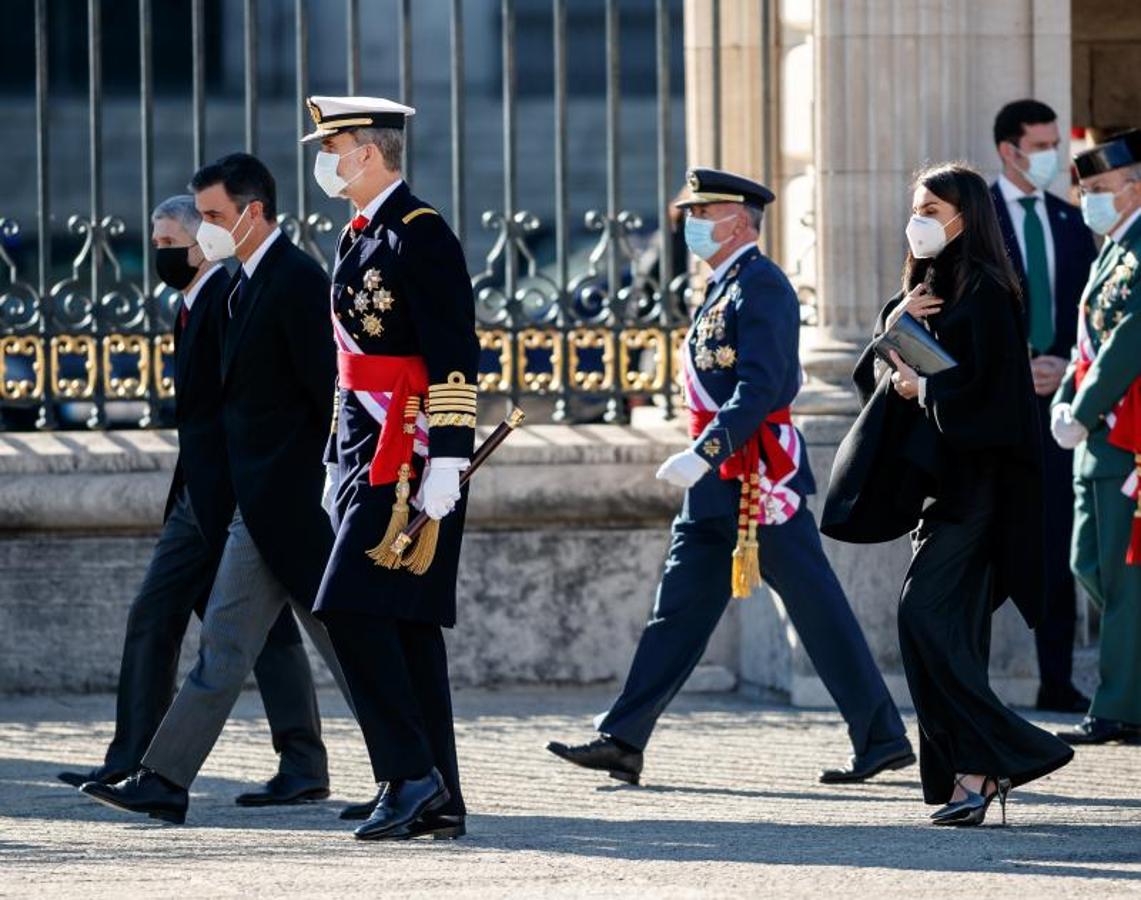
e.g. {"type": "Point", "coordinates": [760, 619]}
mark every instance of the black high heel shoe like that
{"type": "Point", "coordinates": [972, 809]}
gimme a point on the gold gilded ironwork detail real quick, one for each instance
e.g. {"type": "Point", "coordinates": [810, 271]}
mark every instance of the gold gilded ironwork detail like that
{"type": "Point", "coordinates": [633, 345]}
{"type": "Point", "coordinates": [131, 387]}
{"type": "Point", "coordinates": [581, 339]}
{"type": "Point", "coordinates": [163, 352]}
{"type": "Point", "coordinates": [22, 388]}
{"type": "Point", "coordinates": [499, 343]}
{"type": "Point", "coordinates": [543, 340]}
{"type": "Point", "coordinates": [73, 345]}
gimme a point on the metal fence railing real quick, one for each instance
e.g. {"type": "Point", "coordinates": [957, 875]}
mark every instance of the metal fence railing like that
{"type": "Point", "coordinates": [587, 329]}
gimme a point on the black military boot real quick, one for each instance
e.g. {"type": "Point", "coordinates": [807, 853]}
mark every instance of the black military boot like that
{"type": "Point", "coordinates": [621, 761]}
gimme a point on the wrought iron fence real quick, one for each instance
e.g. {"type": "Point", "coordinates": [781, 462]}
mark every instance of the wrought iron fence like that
{"type": "Point", "coordinates": [599, 334]}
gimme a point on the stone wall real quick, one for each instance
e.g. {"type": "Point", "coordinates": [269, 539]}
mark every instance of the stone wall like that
{"type": "Point", "coordinates": [567, 534]}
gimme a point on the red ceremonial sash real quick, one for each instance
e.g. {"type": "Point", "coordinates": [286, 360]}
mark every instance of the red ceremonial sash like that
{"type": "Point", "coordinates": [406, 378]}
{"type": "Point", "coordinates": [1125, 434]}
{"type": "Point", "coordinates": [763, 445]}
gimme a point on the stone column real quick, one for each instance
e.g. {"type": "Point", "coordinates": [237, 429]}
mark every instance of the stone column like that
{"type": "Point", "coordinates": [899, 85]}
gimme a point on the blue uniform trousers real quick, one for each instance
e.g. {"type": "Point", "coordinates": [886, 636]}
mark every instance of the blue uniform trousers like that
{"type": "Point", "coordinates": [694, 591]}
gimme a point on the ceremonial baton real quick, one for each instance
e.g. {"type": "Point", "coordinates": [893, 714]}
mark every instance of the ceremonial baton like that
{"type": "Point", "coordinates": [514, 420]}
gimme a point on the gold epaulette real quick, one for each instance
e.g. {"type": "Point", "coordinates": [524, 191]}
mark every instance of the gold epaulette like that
{"type": "Point", "coordinates": [452, 403]}
{"type": "Point", "coordinates": [423, 210]}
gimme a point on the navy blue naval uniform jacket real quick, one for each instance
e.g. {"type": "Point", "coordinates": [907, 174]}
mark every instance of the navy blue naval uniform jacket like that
{"type": "Point", "coordinates": [429, 311]}
{"type": "Point", "coordinates": [760, 314]}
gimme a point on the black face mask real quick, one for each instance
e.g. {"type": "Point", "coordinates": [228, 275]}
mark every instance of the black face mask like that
{"type": "Point", "coordinates": [173, 266]}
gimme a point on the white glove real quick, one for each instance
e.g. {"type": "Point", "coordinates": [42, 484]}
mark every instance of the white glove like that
{"type": "Point", "coordinates": [1068, 432]}
{"type": "Point", "coordinates": [441, 489]}
{"type": "Point", "coordinates": [683, 469]}
{"type": "Point", "coordinates": [329, 492]}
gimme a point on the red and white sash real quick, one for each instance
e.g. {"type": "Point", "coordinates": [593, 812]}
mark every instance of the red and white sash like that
{"type": "Point", "coordinates": [376, 403]}
{"type": "Point", "coordinates": [779, 502]}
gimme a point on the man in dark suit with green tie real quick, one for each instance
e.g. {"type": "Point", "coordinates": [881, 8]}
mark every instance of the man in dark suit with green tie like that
{"type": "Point", "coordinates": [1051, 250]}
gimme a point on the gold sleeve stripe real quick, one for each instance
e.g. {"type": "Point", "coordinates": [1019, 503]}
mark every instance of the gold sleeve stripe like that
{"type": "Point", "coordinates": [451, 420]}
{"type": "Point", "coordinates": [452, 395]}
{"type": "Point", "coordinates": [423, 210]}
{"type": "Point", "coordinates": [452, 388]}
{"type": "Point", "coordinates": [448, 405]}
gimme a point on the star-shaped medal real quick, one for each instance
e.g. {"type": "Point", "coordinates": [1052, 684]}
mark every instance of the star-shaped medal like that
{"type": "Point", "coordinates": [383, 299]}
{"type": "Point", "coordinates": [372, 279]}
{"type": "Point", "coordinates": [360, 302]}
{"type": "Point", "coordinates": [372, 326]}
{"type": "Point", "coordinates": [726, 356]}
{"type": "Point", "coordinates": [703, 359]}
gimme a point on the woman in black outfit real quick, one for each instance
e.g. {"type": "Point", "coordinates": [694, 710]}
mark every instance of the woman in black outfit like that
{"type": "Point", "coordinates": [960, 452]}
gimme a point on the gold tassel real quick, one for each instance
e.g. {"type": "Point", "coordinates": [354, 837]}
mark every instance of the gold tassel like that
{"type": "Point", "coordinates": [382, 554]}
{"type": "Point", "coordinates": [420, 557]}
{"type": "Point", "coordinates": [746, 555]}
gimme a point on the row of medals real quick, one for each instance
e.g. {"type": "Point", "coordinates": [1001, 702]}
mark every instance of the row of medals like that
{"type": "Point", "coordinates": [711, 326]}
{"type": "Point", "coordinates": [1109, 305]}
{"type": "Point", "coordinates": [374, 298]}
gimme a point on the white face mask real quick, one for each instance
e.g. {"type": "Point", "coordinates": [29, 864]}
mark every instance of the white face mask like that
{"type": "Point", "coordinates": [1042, 167]}
{"type": "Point", "coordinates": [325, 172]}
{"type": "Point", "coordinates": [1099, 210]}
{"type": "Point", "coordinates": [216, 243]}
{"type": "Point", "coordinates": [926, 236]}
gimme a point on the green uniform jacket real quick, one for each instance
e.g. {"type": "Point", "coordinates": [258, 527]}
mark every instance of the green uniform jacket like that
{"type": "Point", "coordinates": [1111, 307]}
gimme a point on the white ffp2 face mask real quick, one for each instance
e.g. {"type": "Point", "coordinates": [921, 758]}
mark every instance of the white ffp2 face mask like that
{"type": "Point", "coordinates": [926, 236]}
{"type": "Point", "coordinates": [325, 172]}
{"type": "Point", "coordinates": [1042, 167]}
{"type": "Point", "coordinates": [217, 243]}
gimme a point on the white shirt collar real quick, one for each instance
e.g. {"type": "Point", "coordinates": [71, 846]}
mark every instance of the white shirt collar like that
{"type": "Point", "coordinates": [376, 202]}
{"type": "Point", "coordinates": [1012, 193]}
{"type": "Point", "coordinates": [720, 271]}
{"type": "Point", "coordinates": [1123, 229]}
{"type": "Point", "coordinates": [251, 264]}
{"type": "Point", "coordinates": [191, 295]}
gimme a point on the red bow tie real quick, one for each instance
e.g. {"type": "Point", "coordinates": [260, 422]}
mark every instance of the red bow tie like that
{"type": "Point", "coordinates": [358, 224]}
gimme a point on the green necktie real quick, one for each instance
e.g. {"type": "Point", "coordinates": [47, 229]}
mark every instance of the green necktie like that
{"type": "Point", "coordinates": [1038, 278]}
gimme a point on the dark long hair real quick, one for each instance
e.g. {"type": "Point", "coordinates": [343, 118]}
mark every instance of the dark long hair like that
{"type": "Point", "coordinates": [978, 250]}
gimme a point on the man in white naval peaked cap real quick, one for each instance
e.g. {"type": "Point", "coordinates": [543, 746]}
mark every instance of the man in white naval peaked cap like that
{"type": "Point", "coordinates": [407, 361]}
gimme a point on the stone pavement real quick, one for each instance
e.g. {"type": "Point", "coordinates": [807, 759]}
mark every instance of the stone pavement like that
{"type": "Point", "coordinates": [730, 808]}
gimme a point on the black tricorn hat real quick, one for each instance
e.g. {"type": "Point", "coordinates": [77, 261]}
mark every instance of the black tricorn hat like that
{"type": "Point", "coordinates": [1121, 150]}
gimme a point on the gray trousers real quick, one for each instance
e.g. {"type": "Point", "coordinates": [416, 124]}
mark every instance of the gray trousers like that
{"type": "Point", "coordinates": [177, 583]}
{"type": "Point", "coordinates": [243, 605]}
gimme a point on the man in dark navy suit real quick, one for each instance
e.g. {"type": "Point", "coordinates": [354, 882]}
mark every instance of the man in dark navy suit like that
{"type": "Point", "coordinates": [198, 512]}
{"type": "Point", "coordinates": [746, 478]}
{"type": "Point", "coordinates": [276, 370]}
{"type": "Point", "coordinates": [1051, 250]}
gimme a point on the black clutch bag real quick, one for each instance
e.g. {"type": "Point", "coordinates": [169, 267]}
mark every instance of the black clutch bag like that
{"type": "Point", "coordinates": [915, 346]}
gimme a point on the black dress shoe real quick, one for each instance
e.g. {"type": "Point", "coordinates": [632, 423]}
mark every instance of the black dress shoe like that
{"type": "Point", "coordinates": [1093, 730]}
{"type": "Point", "coordinates": [286, 790]}
{"type": "Point", "coordinates": [401, 804]}
{"type": "Point", "coordinates": [361, 811]}
{"type": "Point", "coordinates": [438, 826]}
{"type": "Point", "coordinates": [143, 792]}
{"type": "Point", "coordinates": [896, 755]}
{"type": "Point", "coordinates": [621, 761]}
{"type": "Point", "coordinates": [1066, 700]}
{"type": "Point", "coordinates": [103, 775]}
